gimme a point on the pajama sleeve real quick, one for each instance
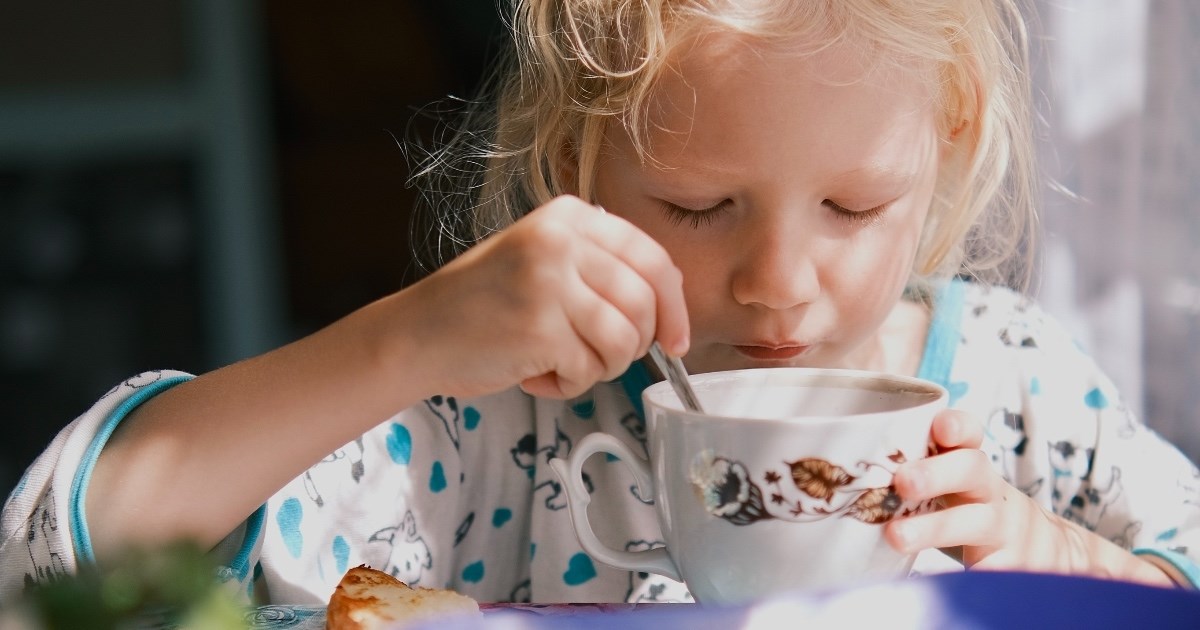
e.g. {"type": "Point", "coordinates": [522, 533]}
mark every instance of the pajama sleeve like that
{"type": "Point", "coordinates": [43, 528]}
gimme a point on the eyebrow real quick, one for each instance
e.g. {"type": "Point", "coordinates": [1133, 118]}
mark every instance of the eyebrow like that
{"type": "Point", "coordinates": [694, 167]}
{"type": "Point", "coordinates": [878, 173]}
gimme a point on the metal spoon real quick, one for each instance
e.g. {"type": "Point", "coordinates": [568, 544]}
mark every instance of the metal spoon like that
{"type": "Point", "coordinates": [672, 368]}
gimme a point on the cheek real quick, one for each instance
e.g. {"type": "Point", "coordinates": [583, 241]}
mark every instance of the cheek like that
{"type": "Point", "coordinates": [704, 263]}
{"type": "Point", "coordinates": [872, 274]}
{"type": "Point", "coordinates": [704, 284]}
{"type": "Point", "coordinates": [697, 255]}
{"type": "Point", "coordinates": [866, 280]}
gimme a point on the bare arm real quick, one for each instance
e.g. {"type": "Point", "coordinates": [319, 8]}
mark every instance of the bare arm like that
{"type": "Point", "coordinates": [564, 298]}
{"type": "Point", "coordinates": [197, 459]}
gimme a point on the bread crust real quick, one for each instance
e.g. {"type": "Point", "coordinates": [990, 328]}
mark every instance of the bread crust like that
{"type": "Point", "coordinates": [369, 599]}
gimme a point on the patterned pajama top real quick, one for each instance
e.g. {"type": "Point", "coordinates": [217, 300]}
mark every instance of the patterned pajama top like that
{"type": "Point", "coordinates": [457, 493]}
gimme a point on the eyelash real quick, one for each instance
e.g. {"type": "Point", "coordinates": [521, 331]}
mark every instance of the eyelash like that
{"type": "Point", "coordinates": [677, 215]}
{"type": "Point", "coordinates": [697, 218]}
{"type": "Point", "coordinates": [860, 218]}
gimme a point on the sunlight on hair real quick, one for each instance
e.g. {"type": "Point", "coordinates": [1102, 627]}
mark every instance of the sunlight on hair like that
{"type": "Point", "coordinates": [539, 129]}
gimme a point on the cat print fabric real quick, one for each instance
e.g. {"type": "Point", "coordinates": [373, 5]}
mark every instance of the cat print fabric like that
{"type": "Point", "coordinates": [458, 493]}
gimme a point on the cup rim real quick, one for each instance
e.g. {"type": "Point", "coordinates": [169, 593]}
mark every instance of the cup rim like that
{"type": "Point", "coordinates": [661, 396]}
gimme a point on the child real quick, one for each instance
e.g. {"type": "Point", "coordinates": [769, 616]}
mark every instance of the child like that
{"type": "Point", "coordinates": [786, 184]}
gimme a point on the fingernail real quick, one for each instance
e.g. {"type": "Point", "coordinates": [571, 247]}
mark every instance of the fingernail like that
{"type": "Point", "coordinates": [954, 433]}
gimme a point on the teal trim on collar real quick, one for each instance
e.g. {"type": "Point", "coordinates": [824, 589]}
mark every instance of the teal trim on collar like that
{"type": "Point", "coordinates": [941, 343]}
{"type": "Point", "coordinates": [76, 515]}
{"type": "Point", "coordinates": [1181, 562]}
{"type": "Point", "coordinates": [634, 380]}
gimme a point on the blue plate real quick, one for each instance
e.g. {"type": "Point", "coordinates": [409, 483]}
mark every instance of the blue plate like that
{"type": "Point", "coordinates": [974, 600]}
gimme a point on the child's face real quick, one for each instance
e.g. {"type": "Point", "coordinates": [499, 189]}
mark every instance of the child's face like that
{"type": "Point", "coordinates": [793, 203]}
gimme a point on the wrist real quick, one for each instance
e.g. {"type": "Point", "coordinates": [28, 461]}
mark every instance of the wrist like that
{"type": "Point", "coordinates": [1099, 557]}
{"type": "Point", "coordinates": [1181, 570]}
{"type": "Point", "coordinates": [388, 337]}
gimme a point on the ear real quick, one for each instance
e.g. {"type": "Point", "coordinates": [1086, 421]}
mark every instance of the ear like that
{"type": "Point", "coordinates": [960, 141]}
{"type": "Point", "coordinates": [966, 108]}
{"type": "Point", "coordinates": [957, 131]}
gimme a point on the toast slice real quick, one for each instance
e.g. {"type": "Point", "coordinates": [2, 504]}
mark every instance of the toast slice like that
{"type": "Point", "coordinates": [369, 599]}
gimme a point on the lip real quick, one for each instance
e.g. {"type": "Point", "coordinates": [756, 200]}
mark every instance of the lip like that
{"type": "Point", "coordinates": [772, 352]}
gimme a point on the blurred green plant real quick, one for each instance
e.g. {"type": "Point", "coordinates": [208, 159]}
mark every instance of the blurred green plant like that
{"type": "Point", "coordinates": [169, 587]}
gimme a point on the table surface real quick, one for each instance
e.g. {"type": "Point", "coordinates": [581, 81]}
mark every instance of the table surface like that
{"type": "Point", "coordinates": [976, 600]}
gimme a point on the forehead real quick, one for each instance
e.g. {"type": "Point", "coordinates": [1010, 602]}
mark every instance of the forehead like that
{"type": "Point", "coordinates": [728, 101]}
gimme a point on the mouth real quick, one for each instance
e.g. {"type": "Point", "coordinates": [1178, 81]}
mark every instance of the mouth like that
{"type": "Point", "coordinates": [771, 353]}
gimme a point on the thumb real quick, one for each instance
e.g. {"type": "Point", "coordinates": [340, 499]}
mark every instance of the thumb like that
{"type": "Point", "coordinates": [953, 429]}
{"type": "Point", "coordinates": [543, 386]}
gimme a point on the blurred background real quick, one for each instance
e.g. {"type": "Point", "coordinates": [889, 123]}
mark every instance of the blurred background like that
{"type": "Point", "coordinates": [184, 183]}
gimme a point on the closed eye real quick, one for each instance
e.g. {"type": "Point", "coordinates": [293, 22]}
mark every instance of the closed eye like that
{"type": "Point", "coordinates": [703, 217]}
{"type": "Point", "coordinates": [858, 217]}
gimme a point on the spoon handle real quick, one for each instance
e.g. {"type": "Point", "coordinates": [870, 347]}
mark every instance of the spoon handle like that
{"type": "Point", "coordinates": [673, 369]}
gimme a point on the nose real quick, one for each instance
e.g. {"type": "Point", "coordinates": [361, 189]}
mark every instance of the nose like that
{"type": "Point", "coordinates": [776, 271]}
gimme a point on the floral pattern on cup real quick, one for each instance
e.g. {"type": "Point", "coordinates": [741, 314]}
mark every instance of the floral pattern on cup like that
{"type": "Point", "coordinates": [803, 490]}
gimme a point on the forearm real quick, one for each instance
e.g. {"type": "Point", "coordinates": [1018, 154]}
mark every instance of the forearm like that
{"type": "Point", "coordinates": [196, 460]}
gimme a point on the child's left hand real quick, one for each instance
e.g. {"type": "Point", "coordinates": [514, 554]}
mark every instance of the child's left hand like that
{"type": "Point", "coordinates": [997, 526]}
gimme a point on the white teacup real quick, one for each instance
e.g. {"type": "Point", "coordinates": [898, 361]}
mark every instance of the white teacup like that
{"type": "Point", "coordinates": [782, 484]}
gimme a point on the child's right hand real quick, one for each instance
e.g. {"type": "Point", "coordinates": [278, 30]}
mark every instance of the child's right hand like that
{"type": "Point", "coordinates": [565, 297]}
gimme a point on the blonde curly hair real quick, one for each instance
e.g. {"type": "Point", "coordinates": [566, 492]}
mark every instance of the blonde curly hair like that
{"type": "Point", "coordinates": [578, 66]}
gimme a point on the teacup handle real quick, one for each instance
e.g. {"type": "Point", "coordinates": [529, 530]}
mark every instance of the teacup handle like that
{"type": "Point", "coordinates": [570, 472]}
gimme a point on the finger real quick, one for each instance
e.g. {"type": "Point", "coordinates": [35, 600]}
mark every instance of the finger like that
{"type": "Point", "coordinates": [619, 285]}
{"type": "Point", "coordinates": [971, 524]}
{"type": "Point", "coordinates": [956, 429]}
{"type": "Point", "coordinates": [608, 333]}
{"type": "Point", "coordinates": [575, 367]}
{"type": "Point", "coordinates": [645, 256]}
{"type": "Point", "coordinates": [962, 475]}
{"type": "Point", "coordinates": [543, 386]}
{"type": "Point", "coordinates": [574, 375]}
{"type": "Point", "coordinates": [567, 363]}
